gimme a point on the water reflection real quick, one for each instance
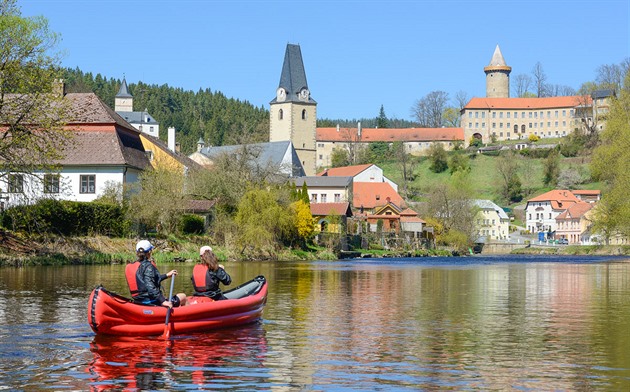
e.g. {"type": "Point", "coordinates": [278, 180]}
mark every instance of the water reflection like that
{"type": "Point", "coordinates": [422, 324]}
{"type": "Point", "coordinates": [203, 361]}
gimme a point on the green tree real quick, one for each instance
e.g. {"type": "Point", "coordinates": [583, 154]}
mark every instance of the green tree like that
{"type": "Point", "coordinates": [438, 158]}
{"type": "Point", "coordinates": [551, 169]}
{"type": "Point", "coordinates": [459, 162]}
{"type": "Point", "coordinates": [157, 200]}
{"type": "Point", "coordinates": [509, 180]}
{"type": "Point", "coordinates": [611, 165]}
{"type": "Point", "coordinates": [339, 158]}
{"type": "Point", "coordinates": [263, 222]}
{"type": "Point", "coordinates": [381, 120]}
{"type": "Point", "coordinates": [32, 109]}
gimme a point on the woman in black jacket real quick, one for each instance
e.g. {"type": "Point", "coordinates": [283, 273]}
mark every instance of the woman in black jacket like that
{"type": "Point", "coordinates": [208, 274]}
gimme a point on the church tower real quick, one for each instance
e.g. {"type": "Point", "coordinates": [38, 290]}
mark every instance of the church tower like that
{"type": "Point", "coordinates": [123, 102]}
{"type": "Point", "coordinates": [497, 76]}
{"type": "Point", "coordinates": [293, 113]}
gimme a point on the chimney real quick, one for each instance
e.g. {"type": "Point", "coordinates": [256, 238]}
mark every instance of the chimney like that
{"type": "Point", "coordinates": [171, 138]}
{"type": "Point", "coordinates": [337, 128]}
{"type": "Point", "coordinates": [59, 87]}
{"type": "Point", "coordinates": [359, 129]}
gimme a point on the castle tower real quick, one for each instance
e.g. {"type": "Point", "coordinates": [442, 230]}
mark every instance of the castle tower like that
{"type": "Point", "coordinates": [293, 113]}
{"type": "Point", "coordinates": [123, 102]}
{"type": "Point", "coordinates": [497, 76]}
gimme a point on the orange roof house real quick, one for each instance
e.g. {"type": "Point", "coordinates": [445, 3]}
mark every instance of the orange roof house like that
{"type": "Point", "coordinates": [369, 195]}
{"type": "Point", "coordinates": [366, 135]}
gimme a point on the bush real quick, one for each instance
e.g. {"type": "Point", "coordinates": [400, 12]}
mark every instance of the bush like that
{"type": "Point", "coordinates": [67, 218]}
{"type": "Point", "coordinates": [192, 224]}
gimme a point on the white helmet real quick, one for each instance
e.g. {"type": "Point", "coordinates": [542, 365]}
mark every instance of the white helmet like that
{"type": "Point", "coordinates": [144, 245]}
{"type": "Point", "coordinates": [204, 249]}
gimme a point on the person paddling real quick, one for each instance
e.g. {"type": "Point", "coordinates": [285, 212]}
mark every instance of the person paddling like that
{"type": "Point", "coordinates": [144, 279]}
{"type": "Point", "coordinates": [207, 275]}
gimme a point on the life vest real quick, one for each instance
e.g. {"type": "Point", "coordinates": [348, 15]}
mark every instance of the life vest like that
{"type": "Point", "coordinates": [199, 278]}
{"type": "Point", "coordinates": [134, 280]}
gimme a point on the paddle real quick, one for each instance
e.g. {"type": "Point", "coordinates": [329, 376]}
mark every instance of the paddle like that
{"type": "Point", "coordinates": [167, 329]}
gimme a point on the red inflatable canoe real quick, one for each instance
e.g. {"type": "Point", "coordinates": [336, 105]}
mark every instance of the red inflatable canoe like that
{"type": "Point", "coordinates": [112, 314]}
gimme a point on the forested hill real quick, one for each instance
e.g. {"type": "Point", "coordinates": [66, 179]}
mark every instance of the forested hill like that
{"type": "Point", "coordinates": [206, 114]}
{"type": "Point", "coordinates": [217, 119]}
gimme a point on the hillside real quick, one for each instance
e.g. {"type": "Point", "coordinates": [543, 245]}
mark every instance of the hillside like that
{"type": "Point", "coordinates": [485, 178]}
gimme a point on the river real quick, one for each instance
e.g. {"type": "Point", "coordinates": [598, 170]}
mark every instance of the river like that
{"type": "Point", "coordinates": [473, 323]}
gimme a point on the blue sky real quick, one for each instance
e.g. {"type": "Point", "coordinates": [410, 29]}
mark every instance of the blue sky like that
{"type": "Point", "coordinates": [358, 55]}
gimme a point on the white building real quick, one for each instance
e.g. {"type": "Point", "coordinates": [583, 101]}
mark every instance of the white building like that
{"type": "Point", "coordinates": [491, 221]}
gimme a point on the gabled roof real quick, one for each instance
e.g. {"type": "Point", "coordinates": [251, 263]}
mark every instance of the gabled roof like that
{"type": "Point", "coordinates": [271, 153]}
{"type": "Point", "coordinates": [181, 158]}
{"type": "Point", "coordinates": [389, 134]}
{"type": "Point", "coordinates": [100, 135]}
{"type": "Point", "coordinates": [485, 204]}
{"type": "Point", "coordinates": [293, 76]}
{"type": "Point", "coordinates": [586, 192]}
{"type": "Point", "coordinates": [323, 182]}
{"type": "Point", "coordinates": [576, 210]}
{"type": "Point", "coordinates": [374, 194]}
{"type": "Point", "coordinates": [528, 103]}
{"type": "Point", "coordinates": [326, 209]}
{"type": "Point", "coordinates": [559, 198]}
{"type": "Point", "coordinates": [345, 171]}
{"type": "Point", "coordinates": [138, 117]}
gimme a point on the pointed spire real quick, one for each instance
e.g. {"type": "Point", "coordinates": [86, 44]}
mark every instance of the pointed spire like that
{"type": "Point", "coordinates": [293, 76]}
{"type": "Point", "coordinates": [124, 91]}
{"type": "Point", "coordinates": [497, 58]}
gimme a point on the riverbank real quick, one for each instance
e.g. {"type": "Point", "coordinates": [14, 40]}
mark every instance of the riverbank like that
{"type": "Point", "coordinates": [20, 250]}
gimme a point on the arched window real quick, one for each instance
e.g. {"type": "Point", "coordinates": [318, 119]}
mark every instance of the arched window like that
{"type": "Point", "coordinates": [280, 114]}
{"type": "Point", "coordinates": [303, 114]}
{"type": "Point", "coordinates": [523, 128]}
{"type": "Point", "coordinates": [515, 128]}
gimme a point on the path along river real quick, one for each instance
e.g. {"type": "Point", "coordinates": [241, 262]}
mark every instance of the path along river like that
{"type": "Point", "coordinates": [473, 323]}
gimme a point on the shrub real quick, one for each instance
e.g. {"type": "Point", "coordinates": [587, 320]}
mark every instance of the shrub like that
{"type": "Point", "coordinates": [192, 224]}
{"type": "Point", "coordinates": [67, 218]}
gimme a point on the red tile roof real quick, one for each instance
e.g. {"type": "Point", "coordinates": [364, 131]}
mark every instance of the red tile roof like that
{"type": "Point", "coordinates": [528, 103]}
{"type": "Point", "coordinates": [345, 171]}
{"type": "Point", "coordinates": [559, 198]}
{"type": "Point", "coordinates": [587, 192]}
{"type": "Point", "coordinates": [365, 194]}
{"type": "Point", "coordinates": [326, 209]}
{"type": "Point", "coordinates": [390, 134]}
{"type": "Point", "coordinates": [576, 210]}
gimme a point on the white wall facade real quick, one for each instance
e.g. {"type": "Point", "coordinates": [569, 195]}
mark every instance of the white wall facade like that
{"type": "Point", "coordinates": [540, 216]}
{"type": "Point", "coordinates": [70, 186]}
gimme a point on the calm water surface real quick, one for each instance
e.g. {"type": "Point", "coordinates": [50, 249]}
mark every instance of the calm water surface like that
{"type": "Point", "coordinates": [481, 323]}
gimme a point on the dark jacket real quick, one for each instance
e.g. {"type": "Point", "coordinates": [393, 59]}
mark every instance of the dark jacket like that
{"type": "Point", "coordinates": [207, 284]}
{"type": "Point", "coordinates": [151, 278]}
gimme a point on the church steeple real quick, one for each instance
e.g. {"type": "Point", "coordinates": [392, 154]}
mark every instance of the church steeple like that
{"type": "Point", "coordinates": [293, 113]}
{"type": "Point", "coordinates": [123, 102]}
{"type": "Point", "coordinates": [293, 86]}
{"type": "Point", "coordinates": [497, 76]}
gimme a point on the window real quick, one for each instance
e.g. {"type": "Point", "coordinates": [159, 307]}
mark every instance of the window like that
{"type": "Point", "coordinates": [321, 156]}
{"type": "Point", "coordinates": [508, 114]}
{"type": "Point", "coordinates": [483, 114]}
{"type": "Point", "coordinates": [303, 114]}
{"type": "Point", "coordinates": [16, 183]}
{"type": "Point", "coordinates": [501, 115]}
{"type": "Point", "coordinates": [515, 114]}
{"type": "Point", "coordinates": [549, 113]}
{"type": "Point", "coordinates": [337, 197]}
{"type": "Point", "coordinates": [314, 198]}
{"type": "Point", "coordinates": [88, 184]}
{"type": "Point", "coordinates": [476, 125]}
{"type": "Point", "coordinates": [150, 129]}
{"type": "Point", "coordinates": [469, 114]}
{"type": "Point", "coordinates": [320, 144]}
{"type": "Point", "coordinates": [323, 198]}
{"type": "Point", "coordinates": [483, 125]}
{"type": "Point", "coordinates": [494, 114]}
{"type": "Point", "coordinates": [494, 125]}
{"type": "Point", "coordinates": [280, 114]}
{"type": "Point", "coordinates": [476, 114]}
{"type": "Point", "coordinates": [469, 125]}
{"type": "Point", "coordinates": [51, 183]}
{"type": "Point", "coordinates": [530, 114]}
{"type": "Point", "coordinates": [564, 113]}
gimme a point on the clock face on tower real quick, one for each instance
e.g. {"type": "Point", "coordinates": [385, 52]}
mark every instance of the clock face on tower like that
{"type": "Point", "coordinates": [281, 95]}
{"type": "Point", "coordinates": [304, 94]}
